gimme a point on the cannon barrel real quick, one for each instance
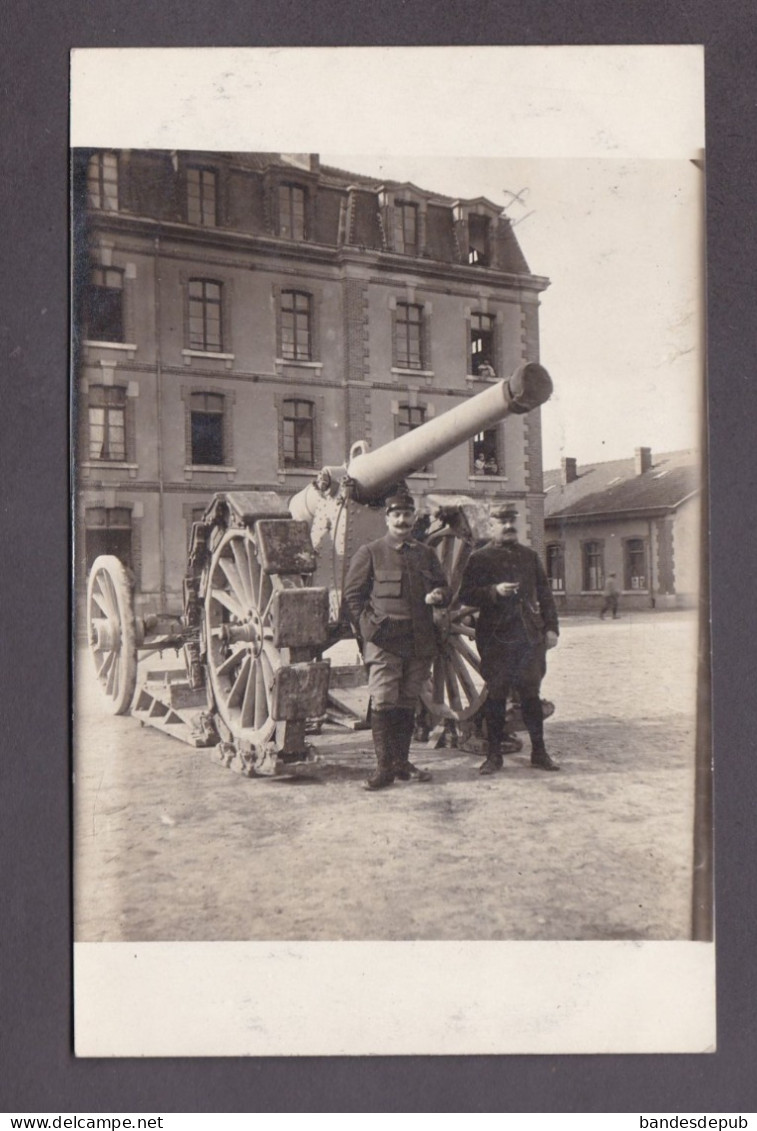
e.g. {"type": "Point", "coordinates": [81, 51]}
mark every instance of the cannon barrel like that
{"type": "Point", "coordinates": [527, 388]}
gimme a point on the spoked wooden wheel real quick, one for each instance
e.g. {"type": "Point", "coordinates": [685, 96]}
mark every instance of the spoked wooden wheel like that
{"type": "Point", "coordinates": [111, 632]}
{"type": "Point", "coordinates": [241, 657]}
{"type": "Point", "coordinates": [456, 690]}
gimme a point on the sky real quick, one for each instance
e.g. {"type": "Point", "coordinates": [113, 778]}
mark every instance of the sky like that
{"type": "Point", "coordinates": [621, 326]}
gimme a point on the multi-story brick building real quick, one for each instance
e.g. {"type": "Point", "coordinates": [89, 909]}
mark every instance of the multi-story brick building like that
{"type": "Point", "coordinates": [242, 319]}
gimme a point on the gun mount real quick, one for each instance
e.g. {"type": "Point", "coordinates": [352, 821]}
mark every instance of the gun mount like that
{"type": "Point", "coordinates": [263, 599]}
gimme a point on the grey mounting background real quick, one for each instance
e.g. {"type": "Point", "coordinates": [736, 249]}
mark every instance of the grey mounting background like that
{"type": "Point", "coordinates": [39, 1072]}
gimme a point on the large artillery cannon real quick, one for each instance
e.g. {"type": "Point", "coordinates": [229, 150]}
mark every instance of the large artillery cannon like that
{"type": "Point", "coordinates": [263, 599]}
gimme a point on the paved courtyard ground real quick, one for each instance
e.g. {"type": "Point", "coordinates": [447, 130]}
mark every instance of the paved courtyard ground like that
{"type": "Point", "coordinates": [169, 845]}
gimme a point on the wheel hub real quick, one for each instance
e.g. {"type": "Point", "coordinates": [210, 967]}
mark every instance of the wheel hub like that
{"type": "Point", "coordinates": [105, 635]}
{"type": "Point", "coordinates": [249, 631]}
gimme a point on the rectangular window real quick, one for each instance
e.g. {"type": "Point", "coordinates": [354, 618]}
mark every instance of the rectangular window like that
{"type": "Point", "coordinates": [107, 423]}
{"type": "Point", "coordinates": [201, 197]}
{"type": "Point", "coordinates": [406, 228]}
{"type": "Point", "coordinates": [478, 240]}
{"type": "Point", "coordinates": [292, 212]}
{"type": "Point", "coordinates": [102, 182]}
{"type": "Point", "coordinates": [207, 428]}
{"type": "Point", "coordinates": [482, 345]}
{"type": "Point", "coordinates": [298, 433]}
{"type": "Point", "coordinates": [205, 316]}
{"type": "Point", "coordinates": [485, 453]}
{"type": "Point", "coordinates": [108, 531]}
{"type": "Point", "coordinates": [593, 567]}
{"type": "Point", "coordinates": [103, 305]}
{"type": "Point", "coordinates": [296, 336]}
{"type": "Point", "coordinates": [556, 567]}
{"type": "Point", "coordinates": [408, 335]}
{"type": "Point", "coordinates": [408, 418]}
{"type": "Point", "coordinates": [635, 564]}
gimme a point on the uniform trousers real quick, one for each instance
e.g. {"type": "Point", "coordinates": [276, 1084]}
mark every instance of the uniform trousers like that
{"type": "Point", "coordinates": [394, 681]}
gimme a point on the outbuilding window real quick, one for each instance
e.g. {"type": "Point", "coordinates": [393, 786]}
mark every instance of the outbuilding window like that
{"type": "Point", "coordinates": [593, 567]}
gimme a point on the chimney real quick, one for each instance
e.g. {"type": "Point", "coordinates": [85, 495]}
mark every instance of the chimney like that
{"type": "Point", "coordinates": [642, 460]}
{"type": "Point", "coordinates": [569, 469]}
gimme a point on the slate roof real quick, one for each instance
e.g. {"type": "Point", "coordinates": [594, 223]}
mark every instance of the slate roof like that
{"type": "Point", "coordinates": [613, 489]}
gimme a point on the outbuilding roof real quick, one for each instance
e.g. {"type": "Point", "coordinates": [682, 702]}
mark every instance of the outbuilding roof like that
{"type": "Point", "coordinates": [614, 488]}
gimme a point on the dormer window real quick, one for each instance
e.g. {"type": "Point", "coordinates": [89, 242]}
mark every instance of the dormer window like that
{"type": "Point", "coordinates": [478, 241]}
{"type": "Point", "coordinates": [292, 204]}
{"type": "Point", "coordinates": [102, 182]}
{"type": "Point", "coordinates": [406, 228]}
{"type": "Point", "coordinates": [201, 197]}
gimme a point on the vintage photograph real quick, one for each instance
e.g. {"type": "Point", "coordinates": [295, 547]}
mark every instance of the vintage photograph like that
{"type": "Point", "coordinates": [390, 587]}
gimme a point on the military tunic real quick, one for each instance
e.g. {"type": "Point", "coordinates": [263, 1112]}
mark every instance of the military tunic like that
{"type": "Point", "coordinates": [384, 592]}
{"type": "Point", "coordinates": [510, 632]}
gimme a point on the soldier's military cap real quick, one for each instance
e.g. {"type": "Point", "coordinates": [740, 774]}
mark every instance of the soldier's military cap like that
{"type": "Point", "coordinates": [502, 512]}
{"type": "Point", "coordinates": [401, 501]}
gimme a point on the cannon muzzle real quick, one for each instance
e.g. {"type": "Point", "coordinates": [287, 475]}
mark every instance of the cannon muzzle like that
{"type": "Point", "coordinates": [528, 387]}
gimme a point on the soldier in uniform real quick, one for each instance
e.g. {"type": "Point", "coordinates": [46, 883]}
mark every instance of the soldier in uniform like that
{"type": "Point", "coordinates": [391, 587]}
{"type": "Point", "coordinates": [516, 625]}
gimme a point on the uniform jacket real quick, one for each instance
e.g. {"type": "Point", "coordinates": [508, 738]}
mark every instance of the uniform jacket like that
{"type": "Point", "coordinates": [530, 613]}
{"type": "Point", "coordinates": [386, 586]}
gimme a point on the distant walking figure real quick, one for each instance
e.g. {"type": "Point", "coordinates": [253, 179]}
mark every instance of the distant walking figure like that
{"type": "Point", "coordinates": [611, 594]}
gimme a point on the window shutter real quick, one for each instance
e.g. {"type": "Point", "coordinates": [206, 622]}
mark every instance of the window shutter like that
{"type": "Point", "coordinates": [501, 449]}
{"type": "Point", "coordinates": [227, 301]}
{"type": "Point", "coordinates": [278, 400]}
{"type": "Point", "coordinates": [395, 224]}
{"type": "Point", "coordinates": [277, 312]}
{"type": "Point", "coordinates": [318, 415]}
{"type": "Point", "coordinates": [228, 431]}
{"type": "Point", "coordinates": [130, 424]}
{"type": "Point", "coordinates": [315, 327]}
{"type": "Point", "coordinates": [426, 338]}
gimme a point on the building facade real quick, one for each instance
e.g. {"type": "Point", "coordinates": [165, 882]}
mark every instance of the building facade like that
{"type": "Point", "coordinates": [638, 518]}
{"type": "Point", "coordinates": [241, 319]}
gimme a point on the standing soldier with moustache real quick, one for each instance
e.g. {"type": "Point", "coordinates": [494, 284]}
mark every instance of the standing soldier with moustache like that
{"type": "Point", "coordinates": [390, 590]}
{"type": "Point", "coordinates": [516, 625]}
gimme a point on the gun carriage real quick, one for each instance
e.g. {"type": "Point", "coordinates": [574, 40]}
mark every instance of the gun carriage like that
{"type": "Point", "coordinates": [263, 600]}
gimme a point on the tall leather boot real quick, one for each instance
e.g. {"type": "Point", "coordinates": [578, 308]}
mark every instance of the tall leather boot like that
{"type": "Point", "coordinates": [381, 728]}
{"type": "Point", "coordinates": [533, 717]}
{"type": "Point", "coordinates": [403, 736]}
{"type": "Point", "coordinates": [495, 712]}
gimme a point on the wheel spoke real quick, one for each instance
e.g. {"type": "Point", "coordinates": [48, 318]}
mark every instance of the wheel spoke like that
{"type": "Point", "coordinates": [108, 596]}
{"type": "Point", "coordinates": [105, 666]}
{"type": "Point", "coordinates": [439, 679]}
{"type": "Point", "coordinates": [463, 674]}
{"type": "Point", "coordinates": [228, 601]}
{"type": "Point", "coordinates": [243, 571]}
{"type": "Point", "coordinates": [248, 703]}
{"type": "Point", "coordinates": [453, 695]}
{"type": "Point", "coordinates": [467, 652]}
{"type": "Point", "coordinates": [261, 699]}
{"type": "Point", "coordinates": [110, 682]}
{"type": "Point", "coordinates": [462, 630]}
{"type": "Point", "coordinates": [235, 582]}
{"type": "Point", "coordinates": [229, 663]}
{"type": "Point", "coordinates": [102, 603]}
{"type": "Point", "coordinates": [239, 685]}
